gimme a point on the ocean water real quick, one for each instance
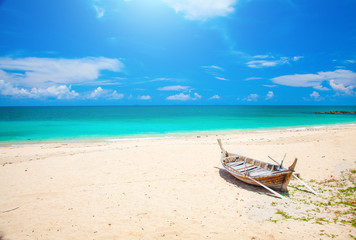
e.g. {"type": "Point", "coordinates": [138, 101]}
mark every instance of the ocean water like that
{"type": "Point", "coordinates": [33, 124]}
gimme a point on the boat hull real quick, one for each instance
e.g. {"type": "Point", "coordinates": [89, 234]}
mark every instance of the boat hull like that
{"type": "Point", "coordinates": [277, 181]}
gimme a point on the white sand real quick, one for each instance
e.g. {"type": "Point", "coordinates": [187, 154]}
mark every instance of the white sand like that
{"type": "Point", "coordinates": [162, 188]}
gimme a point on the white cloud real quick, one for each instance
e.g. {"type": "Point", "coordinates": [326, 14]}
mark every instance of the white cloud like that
{"type": "Point", "coordinates": [179, 97]}
{"type": "Point", "coordinates": [58, 92]}
{"type": "Point", "coordinates": [161, 79]}
{"type": "Point", "coordinates": [345, 77]}
{"type": "Point", "coordinates": [338, 79]}
{"type": "Point", "coordinates": [97, 93]}
{"type": "Point", "coordinates": [221, 78]}
{"type": "Point", "coordinates": [214, 97]}
{"type": "Point", "coordinates": [269, 95]}
{"type": "Point", "coordinates": [315, 95]}
{"type": "Point", "coordinates": [44, 72]}
{"type": "Point", "coordinates": [251, 98]}
{"type": "Point", "coordinates": [252, 78]}
{"type": "Point", "coordinates": [299, 80]}
{"type": "Point", "coordinates": [173, 88]}
{"type": "Point", "coordinates": [115, 95]}
{"type": "Point", "coordinates": [99, 11]}
{"type": "Point", "coordinates": [213, 67]}
{"type": "Point", "coordinates": [341, 88]}
{"type": "Point", "coordinates": [270, 61]}
{"type": "Point", "coordinates": [202, 9]}
{"type": "Point", "coordinates": [266, 63]}
{"type": "Point", "coordinates": [215, 71]}
{"type": "Point", "coordinates": [184, 97]}
{"type": "Point", "coordinates": [321, 88]}
{"type": "Point", "coordinates": [196, 96]}
{"type": "Point", "coordinates": [261, 56]}
{"type": "Point", "coordinates": [296, 58]}
{"type": "Point", "coordinates": [8, 89]}
{"type": "Point", "coordinates": [145, 97]}
{"type": "Point", "coordinates": [262, 63]}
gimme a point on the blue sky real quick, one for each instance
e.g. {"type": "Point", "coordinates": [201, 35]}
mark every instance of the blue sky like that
{"type": "Point", "coordinates": [174, 52]}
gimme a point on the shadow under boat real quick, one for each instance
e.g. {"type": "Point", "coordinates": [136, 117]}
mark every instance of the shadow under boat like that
{"type": "Point", "coordinates": [224, 174]}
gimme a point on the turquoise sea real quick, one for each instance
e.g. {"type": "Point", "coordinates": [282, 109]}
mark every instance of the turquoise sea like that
{"type": "Point", "coordinates": [33, 124]}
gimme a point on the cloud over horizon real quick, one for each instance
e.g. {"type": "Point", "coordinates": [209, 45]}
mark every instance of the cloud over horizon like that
{"type": "Point", "coordinates": [173, 88]}
{"type": "Point", "coordinates": [184, 97]}
{"type": "Point", "coordinates": [144, 97]}
{"type": "Point", "coordinates": [339, 80]}
{"type": "Point", "coordinates": [45, 72]}
{"type": "Point", "coordinates": [269, 95]}
{"type": "Point", "coordinates": [253, 97]}
{"type": "Point", "coordinates": [315, 95]}
{"type": "Point", "coordinates": [58, 92]}
{"type": "Point", "coordinates": [99, 92]}
{"type": "Point", "coordinates": [214, 97]}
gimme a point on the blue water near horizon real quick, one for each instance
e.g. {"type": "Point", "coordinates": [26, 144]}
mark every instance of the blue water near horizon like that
{"type": "Point", "coordinates": [35, 124]}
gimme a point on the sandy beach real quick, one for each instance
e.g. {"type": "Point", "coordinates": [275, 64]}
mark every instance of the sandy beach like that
{"type": "Point", "coordinates": [174, 188]}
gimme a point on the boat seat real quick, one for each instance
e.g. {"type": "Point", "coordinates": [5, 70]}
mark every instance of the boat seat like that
{"type": "Point", "coordinates": [257, 169]}
{"type": "Point", "coordinates": [259, 172]}
{"type": "Point", "coordinates": [243, 166]}
{"type": "Point", "coordinates": [248, 169]}
{"type": "Point", "coordinates": [235, 164]}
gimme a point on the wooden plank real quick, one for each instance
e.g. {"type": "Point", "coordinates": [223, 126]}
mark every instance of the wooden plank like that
{"type": "Point", "coordinates": [258, 169]}
{"type": "Point", "coordinates": [247, 165]}
{"type": "Point", "coordinates": [247, 169]}
{"type": "Point", "coordinates": [234, 164]}
{"type": "Point", "coordinates": [260, 172]}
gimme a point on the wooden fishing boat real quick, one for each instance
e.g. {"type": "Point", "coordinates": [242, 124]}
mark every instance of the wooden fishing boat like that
{"type": "Point", "coordinates": [257, 172]}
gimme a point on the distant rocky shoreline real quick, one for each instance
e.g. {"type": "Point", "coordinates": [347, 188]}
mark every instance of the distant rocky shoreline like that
{"type": "Point", "coordinates": [336, 112]}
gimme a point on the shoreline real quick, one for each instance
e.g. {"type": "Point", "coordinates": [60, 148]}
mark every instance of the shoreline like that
{"type": "Point", "coordinates": [84, 124]}
{"type": "Point", "coordinates": [174, 135]}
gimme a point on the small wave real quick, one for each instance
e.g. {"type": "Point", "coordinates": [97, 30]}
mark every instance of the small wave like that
{"type": "Point", "coordinates": [138, 138]}
{"type": "Point", "coordinates": [306, 128]}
